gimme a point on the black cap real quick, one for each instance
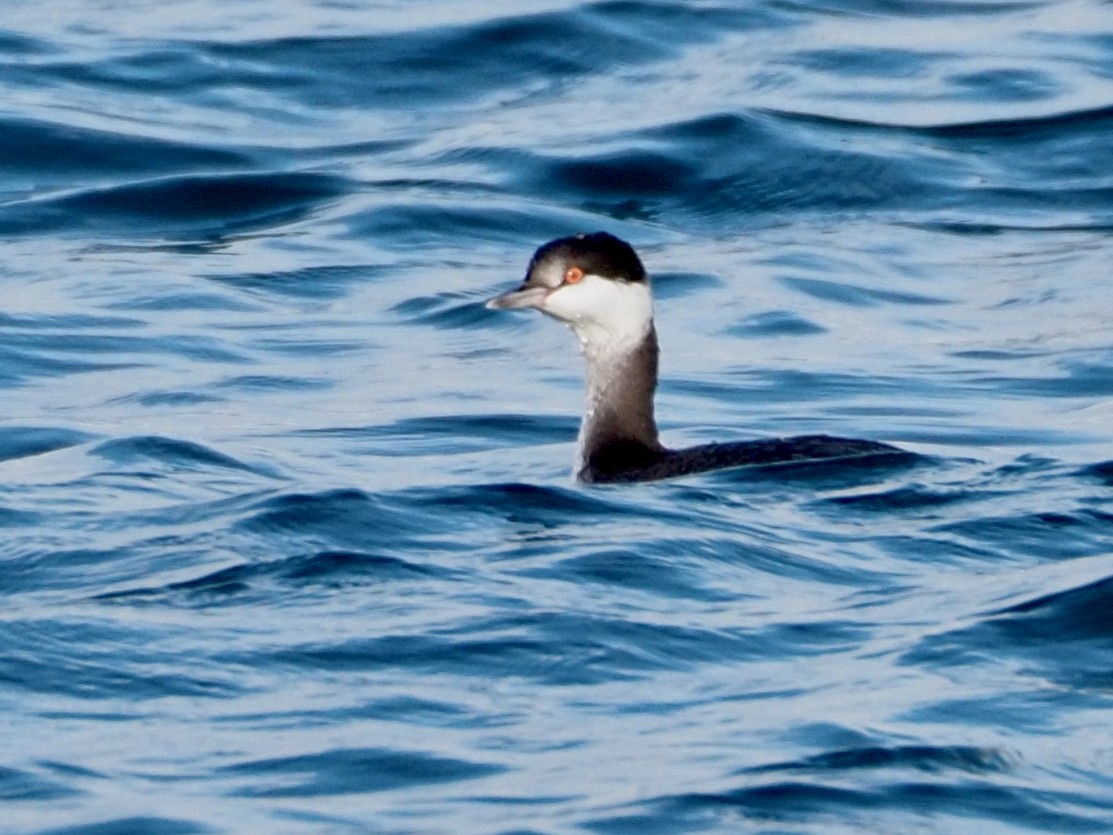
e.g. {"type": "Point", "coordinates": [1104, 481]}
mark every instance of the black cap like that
{"type": "Point", "coordinates": [599, 253]}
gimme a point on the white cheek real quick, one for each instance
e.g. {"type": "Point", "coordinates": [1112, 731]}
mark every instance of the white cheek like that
{"type": "Point", "coordinates": [600, 309]}
{"type": "Point", "coordinates": [551, 275]}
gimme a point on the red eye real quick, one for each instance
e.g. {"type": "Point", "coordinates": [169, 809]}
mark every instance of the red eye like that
{"type": "Point", "coordinates": [574, 275]}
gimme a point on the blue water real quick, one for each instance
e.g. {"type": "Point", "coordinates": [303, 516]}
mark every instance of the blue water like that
{"type": "Point", "coordinates": [290, 542]}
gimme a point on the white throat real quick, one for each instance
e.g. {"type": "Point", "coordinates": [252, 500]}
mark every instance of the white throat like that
{"type": "Point", "coordinates": [613, 321]}
{"type": "Point", "coordinates": [606, 315]}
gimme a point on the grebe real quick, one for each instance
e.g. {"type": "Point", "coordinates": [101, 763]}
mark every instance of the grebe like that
{"type": "Point", "coordinates": [596, 285]}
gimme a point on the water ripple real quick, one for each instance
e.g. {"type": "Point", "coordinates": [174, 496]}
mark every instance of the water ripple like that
{"type": "Point", "coordinates": [290, 541]}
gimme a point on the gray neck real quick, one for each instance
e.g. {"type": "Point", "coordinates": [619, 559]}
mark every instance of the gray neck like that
{"type": "Point", "coordinates": [618, 428]}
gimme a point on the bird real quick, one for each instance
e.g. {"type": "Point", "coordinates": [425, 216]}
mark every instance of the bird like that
{"type": "Point", "coordinates": [596, 284]}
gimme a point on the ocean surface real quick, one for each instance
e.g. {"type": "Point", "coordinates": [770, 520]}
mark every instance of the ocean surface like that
{"type": "Point", "coordinates": [289, 541]}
